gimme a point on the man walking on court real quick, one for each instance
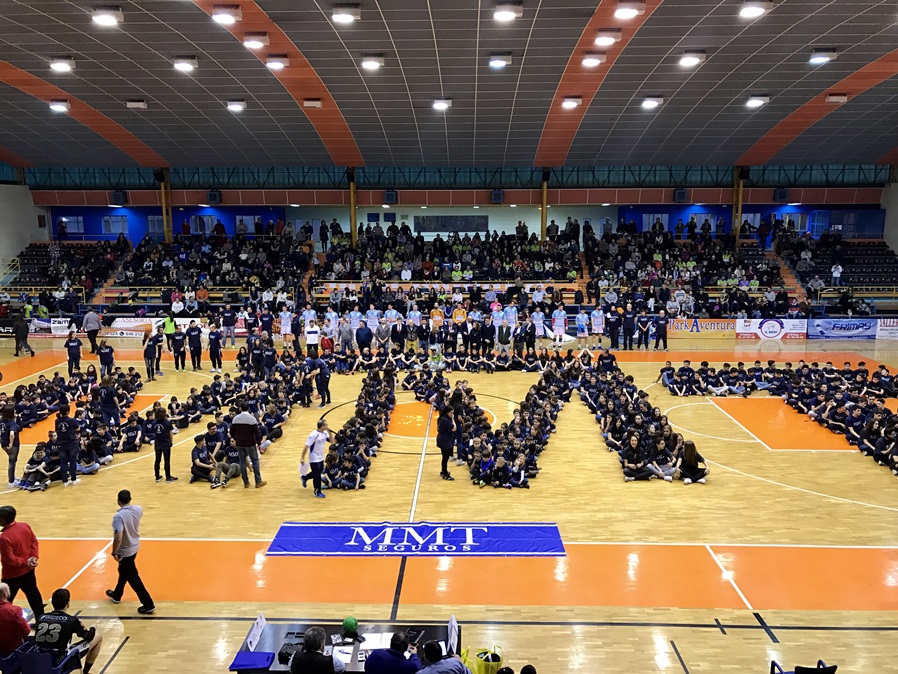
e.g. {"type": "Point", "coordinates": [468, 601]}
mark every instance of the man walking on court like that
{"type": "Point", "coordinates": [125, 545]}
{"type": "Point", "coordinates": [19, 556]}
{"type": "Point", "coordinates": [314, 449]}
{"type": "Point", "coordinates": [247, 436]}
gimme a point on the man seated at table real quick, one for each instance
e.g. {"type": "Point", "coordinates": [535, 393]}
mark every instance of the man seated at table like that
{"type": "Point", "coordinates": [437, 664]}
{"type": "Point", "coordinates": [392, 660]}
{"type": "Point", "coordinates": [311, 659]}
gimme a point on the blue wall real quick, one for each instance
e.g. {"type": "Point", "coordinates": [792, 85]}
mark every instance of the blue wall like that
{"type": "Point", "coordinates": [137, 217]}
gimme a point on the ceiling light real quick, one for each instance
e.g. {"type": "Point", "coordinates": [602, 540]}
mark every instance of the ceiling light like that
{"type": "Point", "coordinates": [136, 104]}
{"type": "Point", "coordinates": [608, 36]}
{"type": "Point", "coordinates": [571, 102]}
{"type": "Point", "coordinates": [757, 101]}
{"type": "Point", "coordinates": [372, 61]}
{"type": "Point", "coordinates": [203, 205]}
{"type": "Point", "coordinates": [311, 102]}
{"type": "Point", "coordinates": [476, 206]}
{"type": "Point", "coordinates": [385, 205]}
{"type": "Point", "coordinates": [500, 60]}
{"type": "Point", "coordinates": [690, 59]}
{"type": "Point", "coordinates": [255, 40]}
{"type": "Point", "coordinates": [423, 206]}
{"type": "Point", "coordinates": [294, 205]}
{"type": "Point", "coordinates": [226, 15]}
{"type": "Point", "coordinates": [629, 9]}
{"type": "Point", "coordinates": [63, 65]}
{"type": "Point", "coordinates": [752, 9]}
{"type": "Point", "coordinates": [594, 58]}
{"type": "Point", "coordinates": [652, 102]}
{"type": "Point", "coordinates": [277, 62]}
{"type": "Point", "coordinates": [513, 205]}
{"type": "Point", "coordinates": [60, 105]}
{"type": "Point", "coordinates": [107, 16]}
{"type": "Point", "coordinates": [442, 103]}
{"type": "Point", "coordinates": [821, 56]}
{"type": "Point", "coordinates": [794, 203]}
{"type": "Point", "coordinates": [237, 105]}
{"type": "Point", "coordinates": [837, 98]}
{"type": "Point", "coordinates": [606, 204]}
{"type": "Point", "coordinates": [508, 11]}
{"type": "Point", "coordinates": [346, 13]}
{"type": "Point", "coordinates": [186, 64]}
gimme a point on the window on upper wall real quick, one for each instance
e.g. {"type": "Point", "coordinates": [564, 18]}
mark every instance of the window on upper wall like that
{"type": "Point", "coordinates": [115, 224]}
{"type": "Point", "coordinates": [74, 224]}
{"type": "Point", "coordinates": [156, 227]}
{"type": "Point", "coordinates": [649, 219]}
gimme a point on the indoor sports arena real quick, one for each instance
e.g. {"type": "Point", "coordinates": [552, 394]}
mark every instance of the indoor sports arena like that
{"type": "Point", "coordinates": [451, 336]}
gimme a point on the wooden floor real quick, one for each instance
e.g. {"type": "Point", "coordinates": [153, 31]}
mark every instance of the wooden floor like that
{"type": "Point", "coordinates": [790, 552]}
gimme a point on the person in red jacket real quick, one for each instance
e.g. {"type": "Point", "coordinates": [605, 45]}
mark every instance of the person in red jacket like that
{"type": "Point", "coordinates": [19, 558]}
{"type": "Point", "coordinates": [13, 626]}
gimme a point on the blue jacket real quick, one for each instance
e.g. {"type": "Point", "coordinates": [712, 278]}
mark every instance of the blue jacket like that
{"type": "Point", "coordinates": [390, 661]}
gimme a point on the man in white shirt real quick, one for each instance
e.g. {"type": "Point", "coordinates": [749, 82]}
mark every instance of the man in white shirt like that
{"type": "Point", "coordinates": [315, 449]}
{"type": "Point", "coordinates": [837, 274]}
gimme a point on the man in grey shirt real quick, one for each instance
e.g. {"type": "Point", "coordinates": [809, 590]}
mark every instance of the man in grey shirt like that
{"type": "Point", "coordinates": [125, 545]}
{"type": "Point", "coordinates": [92, 326]}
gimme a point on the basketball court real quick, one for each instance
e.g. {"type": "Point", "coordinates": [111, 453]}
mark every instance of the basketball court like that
{"type": "Point", "coordinates": [787, 553]}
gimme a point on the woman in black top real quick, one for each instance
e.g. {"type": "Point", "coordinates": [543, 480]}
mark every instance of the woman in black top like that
{"type": "Point", "coordinates": [446, 439]}
{"type": "Point", "coordinates": [162, 429]}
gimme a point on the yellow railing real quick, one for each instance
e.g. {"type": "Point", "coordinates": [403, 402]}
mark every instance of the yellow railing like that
{"type": "Point", "coordinates": [153, 294]}
{"type": "Point", "coordinates": [10, 267]}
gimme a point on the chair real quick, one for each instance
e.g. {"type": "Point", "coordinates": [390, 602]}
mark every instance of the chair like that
{"type": "Point", "coordinates": [10, 665]}
{"type": "Point", "coordinates": [33, 660]}
{"type": "Point", "coordinates": [821, 668]}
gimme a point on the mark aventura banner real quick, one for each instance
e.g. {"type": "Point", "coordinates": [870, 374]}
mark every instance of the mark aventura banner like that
{"type": "Point", "coordinates": [469, 539]}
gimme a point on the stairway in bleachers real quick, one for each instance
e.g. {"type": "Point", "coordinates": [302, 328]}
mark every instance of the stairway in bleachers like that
{"type": "Point", "coordinates": [790, 282]}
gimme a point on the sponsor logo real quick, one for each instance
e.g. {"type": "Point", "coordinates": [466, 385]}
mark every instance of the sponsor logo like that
{"type": "Point", "coordinates": [771, 328]}
{"type": "Point", "coordinates": [408, 539]}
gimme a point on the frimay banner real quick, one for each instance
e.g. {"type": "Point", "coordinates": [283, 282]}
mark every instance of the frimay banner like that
{"type": "Point", "coordinates": [842, 328]}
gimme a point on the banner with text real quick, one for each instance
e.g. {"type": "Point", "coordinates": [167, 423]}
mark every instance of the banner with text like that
{"type": "Point", "coordinates": [887, 328]}
{"type": "Point", "coordinates": [771, 328]}
{"type": "Point", "coordinates": [468, 539]}
{"type": "Point", "coordinates": [702, 328]}
{"type": "Point", "coordinates": [842, 328]}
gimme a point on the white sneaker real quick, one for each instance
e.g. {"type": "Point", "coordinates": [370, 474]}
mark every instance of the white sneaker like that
{"type": "Point", "coordinates": [13, 485]}
{"type": "Point", "coordinates": [668, 478]}
{"type": "Point", "coordinates": [701, 481]}
{"type": "Point", "coordinates": [458, 462]}
{"type": "Point", "coordinates": [686, 480]}
{"type": "Point", "coordinates": [629, 479]}
{"type": "Point", "coordinates": [66, 483]}
{"type": "Point", "coordinates": [76, 481]}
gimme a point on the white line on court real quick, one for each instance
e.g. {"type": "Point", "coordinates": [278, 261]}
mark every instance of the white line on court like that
{"type": "Point", "coordinates": [733, 419]}
{"type": "Point", "coordinates": [34, 374]}
{"type": "Point", "coordinates": [806, 491]}
{"type": "Point", "coordinates": [728, 575]}
{"type": "Point", "coordinates": [704, 435]}
{"type": "Point", "coordinates": [97, 557]}
{"type": "Point", "coordinates": [411, 514]}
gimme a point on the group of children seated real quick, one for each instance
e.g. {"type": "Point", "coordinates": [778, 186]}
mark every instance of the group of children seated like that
{"type": "Point", "coordinates": [348, 460]}
{"type": "Point", "coordinates": [849, 402]}
{"type": "Point", "coordinates": [646, 444]}
{"type": "Point", "coordinates": [98, 404]}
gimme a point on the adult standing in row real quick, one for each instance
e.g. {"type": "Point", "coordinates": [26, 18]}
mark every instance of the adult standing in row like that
{"type": "Point", "coordinates": [246, 435]}
{"type": "Point", "coordinates": [314, 450]}
{"type": "Point", "coordinates": [19, 556]}
{"type": "Point", "coordinates": [92, 326]}
{"type": "Point", "coordinates": [73, 352]}
{"type": "Point", "coordinates": [20, 333]}
{"type": "Point", "coordinates": [67, 437]}
{"type": "Point", "coordinates": [125, 546]}
{"type": "Point", "coordinates": [446, 439]}
{"type": "Point", "coordinates": [9, 440]}
{"type": "Point", "coordinates": [228, 325]}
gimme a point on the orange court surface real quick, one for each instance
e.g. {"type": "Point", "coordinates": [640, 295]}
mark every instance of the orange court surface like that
{"type": "Point", "coordinates": [789, 552]}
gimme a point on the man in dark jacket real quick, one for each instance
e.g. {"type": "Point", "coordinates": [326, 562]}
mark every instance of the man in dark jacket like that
{"type": "Point", "coordinates": [392, 660]}
{"type": "Point", "coordinates": [363, 336]}
{"type": "Point", "coordinates": [246, 435]}
{"type": "Point", "coordinates": [20, 333]}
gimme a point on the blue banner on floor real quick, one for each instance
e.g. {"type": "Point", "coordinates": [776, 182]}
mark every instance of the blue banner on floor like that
{"type": "Point", "coordinates": [459, 539]}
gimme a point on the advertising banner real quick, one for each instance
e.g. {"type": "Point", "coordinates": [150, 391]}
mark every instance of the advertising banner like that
{"type": "Point", "coordinates": [842, 328]}
{"type": "Point", "coordinates": [887, 328]}
{"type": "Point", "coordinates": [702, 328]}
{"type": "Point", "coordinates": [771, 328]}
{"type": "Point", "coordinates": [467, 539]}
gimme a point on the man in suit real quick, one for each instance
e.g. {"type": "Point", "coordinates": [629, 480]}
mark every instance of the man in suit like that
{"type": "Point", "coordinates": [503, 339]}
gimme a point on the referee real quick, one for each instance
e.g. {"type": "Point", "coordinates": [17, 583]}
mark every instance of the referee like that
{"type": "Point", "coordinates": [314, 449]}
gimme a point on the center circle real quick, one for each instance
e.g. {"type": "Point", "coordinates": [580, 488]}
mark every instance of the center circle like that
{"type": "Point", "coordinates": [409, 419]}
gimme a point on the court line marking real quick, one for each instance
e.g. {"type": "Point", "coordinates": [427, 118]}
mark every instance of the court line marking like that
{"type": "Point", "coordinates": [728, 576]}
{"type": "Point", "coordinates": [733, 419]}
{"type": "Point", "coordinates": [704, 435]}
{"type": "Point", "coordinates": [95, 558]}
{"type": "Point", "coordinates": [38, 373]}
{"type": "Point", "coordinates": [802, 489]}
{"type": "Point", "coordinates": [411, 514]}
{"type": "Point", "coordinates": [418, 437]}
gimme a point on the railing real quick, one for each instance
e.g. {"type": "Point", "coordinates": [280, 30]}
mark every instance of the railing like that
{"type": "Point", "coordinates": [153, 294]}
{"type": "Point", "coordinates": [9, 269]}
{"type": "Point", "coordinates": [34, 292]}
{"type": "Point", "coordinates": [881, 292]}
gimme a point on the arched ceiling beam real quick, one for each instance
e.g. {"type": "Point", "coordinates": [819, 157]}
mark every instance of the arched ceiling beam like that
{"type": "Point", "coordinates": [299, 79]}
{"type": "Point", "coordinates": [561, 125]}
{"type": "Point", "coordinates": [780, 136]}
